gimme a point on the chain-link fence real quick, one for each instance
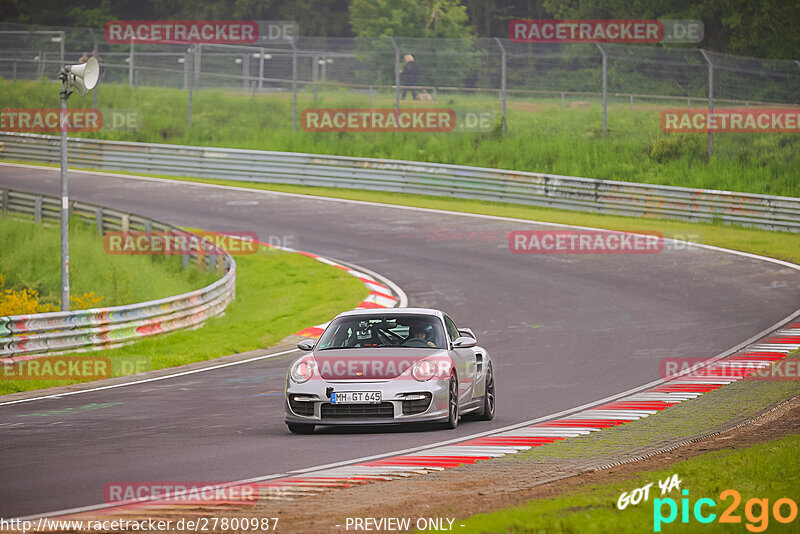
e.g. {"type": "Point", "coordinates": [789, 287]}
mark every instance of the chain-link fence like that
{"type": "Point", "coordinates": [368, 72]}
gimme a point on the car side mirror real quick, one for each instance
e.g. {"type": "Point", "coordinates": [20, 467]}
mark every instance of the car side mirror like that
{"type": "Point", "coordinates": [464, 342]}
{"type": "Point", "coordinates": [467, 332]}
{"type": "Point", "coordinates": [306, 344]}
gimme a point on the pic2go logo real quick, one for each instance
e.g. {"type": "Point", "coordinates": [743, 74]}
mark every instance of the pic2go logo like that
{"type": "Point", "coordinates": [756, 511]}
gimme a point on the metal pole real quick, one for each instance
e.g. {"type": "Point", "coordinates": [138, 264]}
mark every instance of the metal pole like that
{"type": "Point", "coordinates": [294, 85]}
{"type": "Point", "coordinates": [190, 57]}
{"type": "Point", "coordinates": [396, 75]}
{"type": "Point", "coordinates": [605, 89]}
{"type": "Point", "coordinates": [710, 101]}
{"type": "Point", "coordinates": [502, 82]}
{"type": "Point", "coordinates": [64, 198]}
{"type": "Point", "coordinates": [261, 69]}
{"type": "Point", "coordinates": [315, 74]}
{"type": "Point", "coordinates": [130, 66]}
{"type": "Point", "coordinates": [245, 71]}
{"type": "Point", "coordinates": [197, 63]}
{"type": "Point", "coordinates": [62, 45]}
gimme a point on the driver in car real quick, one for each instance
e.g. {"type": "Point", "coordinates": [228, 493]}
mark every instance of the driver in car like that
{"type": "Point", "coordinates": [420, 336]}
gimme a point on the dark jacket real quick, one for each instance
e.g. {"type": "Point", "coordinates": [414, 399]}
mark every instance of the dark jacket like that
{"type": "Point", "coordinates": [410, 74]}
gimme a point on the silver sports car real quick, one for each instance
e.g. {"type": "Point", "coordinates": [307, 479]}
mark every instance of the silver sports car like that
{"type": "Point", "coordinates": [389, 366]}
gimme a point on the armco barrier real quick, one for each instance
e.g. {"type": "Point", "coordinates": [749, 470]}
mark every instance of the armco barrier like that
{"type": "Point", "coordinates": [30, 336]}
{"type": "Point", "coordinates": [601, 196]}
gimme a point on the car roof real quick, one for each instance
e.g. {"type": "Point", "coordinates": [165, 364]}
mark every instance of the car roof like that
{"type": "Point", "coordinates": [392, 311]}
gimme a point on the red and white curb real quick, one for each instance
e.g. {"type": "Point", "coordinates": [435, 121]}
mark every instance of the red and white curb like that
{"type": "Point", "coordinates": [380, 296]}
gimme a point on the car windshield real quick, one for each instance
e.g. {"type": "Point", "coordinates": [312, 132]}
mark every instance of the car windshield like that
{"type": "Point", "coordinates": [420, 331]}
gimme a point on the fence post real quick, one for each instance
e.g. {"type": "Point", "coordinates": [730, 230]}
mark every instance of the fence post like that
{"type": "Point", "coordinates": [4, 201]}
{"type": "Point", "coordinates": [315, 74]}
{"type": "Point", "coordinates": [190, 58]}
{"type": "Point", "coordinates": [396, 74]}
{"type": "Point", "coordinates": [605, 89]}
{"type": "Point", "coordinates": [130, 66]}
{"type": "Point", "coordinates": [710, 100]}
{"type": "Point", "coordinates": [15, 71]}
{"type": "Point", "coordinates": [245, 72]}
{"type": "Point", "coordinates": [197, 64]}
{"type": "Point", "coordinates": [260, 69]}
{"type": "Point", "coordinates": [294, 85]}
{"type": "Point", "coordinates": [37, 210]}
{"type": "Point", "coordinates": [503, 58]}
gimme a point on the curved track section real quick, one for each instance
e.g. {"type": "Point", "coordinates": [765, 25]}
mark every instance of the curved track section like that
{"type": "Point", "coordinates": [565, 330]}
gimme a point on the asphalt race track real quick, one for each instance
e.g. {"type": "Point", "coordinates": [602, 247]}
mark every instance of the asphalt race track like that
{"type": "Point", "coordinates": [563, 329]}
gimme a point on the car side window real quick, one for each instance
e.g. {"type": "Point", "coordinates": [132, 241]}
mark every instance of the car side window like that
{"type": "Point", "coordinates": [452, 331]}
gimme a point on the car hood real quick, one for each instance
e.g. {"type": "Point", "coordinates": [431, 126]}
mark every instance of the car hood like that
{"type": "Point", "coordinates": [371, 363]}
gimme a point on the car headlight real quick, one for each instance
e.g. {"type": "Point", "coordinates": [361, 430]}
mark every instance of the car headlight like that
{"type": "Point", "coordinates": [423, 370]}
{"type": "Point", "coordinates": [303, 369]}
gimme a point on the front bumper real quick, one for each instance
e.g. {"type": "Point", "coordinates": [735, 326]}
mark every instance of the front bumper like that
{"type": "Point", "coordinates": [395, 408]}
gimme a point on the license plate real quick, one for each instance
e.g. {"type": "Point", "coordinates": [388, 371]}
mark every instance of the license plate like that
{"type": "Point", "coordinates": [356, 397]}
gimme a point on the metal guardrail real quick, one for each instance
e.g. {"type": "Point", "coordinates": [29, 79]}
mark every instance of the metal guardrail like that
{"type": "Point", "coordinates": [33, 335]}
{"type": "Point", "coordinates": [565, 192]}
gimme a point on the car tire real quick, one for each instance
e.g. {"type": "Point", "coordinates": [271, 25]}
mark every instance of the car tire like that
{"type": "Point", "coordinates": [300, 428]}
{"type": "Point", "coordinates": [487, 412]}
{"type": "Point", "coordinates": [452, 404]}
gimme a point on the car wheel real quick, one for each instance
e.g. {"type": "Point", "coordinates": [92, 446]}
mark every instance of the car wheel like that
{"type": "Point", "coordinates": [452, 405]}
{"type": "Point", "coordinates": [300, 428]}
{"type": "Point", "coordinates": [487, 414]}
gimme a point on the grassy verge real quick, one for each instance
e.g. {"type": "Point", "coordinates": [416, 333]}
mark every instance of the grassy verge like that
{"type": "Point", "coordinates": [542, 136]}
{"type": "Point", "coordinates": [765, 471]}
{"type": "Point", "coordinates": [30, 259]}
{"type": "Point", "coordinates": [277, 294]}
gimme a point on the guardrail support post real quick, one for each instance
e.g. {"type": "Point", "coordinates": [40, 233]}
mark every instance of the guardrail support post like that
{"type": "Point", "coordinates": [710, 100]}
{"type": "Point", "coordinates": [37, 210]}
{"type": "Point", "coordinates": [98, 220]}
{"type": "Point", "coordinates": [503, 59]}
{"type": "Point", "coordinates": [605, 89]}
{"type": "Point", "coordinates": [4, 201]}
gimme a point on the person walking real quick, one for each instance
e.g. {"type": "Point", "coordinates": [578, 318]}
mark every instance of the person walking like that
{"type": "Point", "coordinates": [409, 76]}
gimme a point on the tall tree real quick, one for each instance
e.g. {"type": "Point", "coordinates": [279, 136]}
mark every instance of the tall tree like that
{"type": "Point", "coordinates": [409, 18]}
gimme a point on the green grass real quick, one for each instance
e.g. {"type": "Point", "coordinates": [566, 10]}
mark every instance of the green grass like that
{"type": "Point", "coordinates": [277, 294]}
{"type": "Point", "coordinates": [765, 471]}
{"type": "Point", "coordinates": [30, 258]}
{"type": "Point", "coordinates": [542, 136]}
